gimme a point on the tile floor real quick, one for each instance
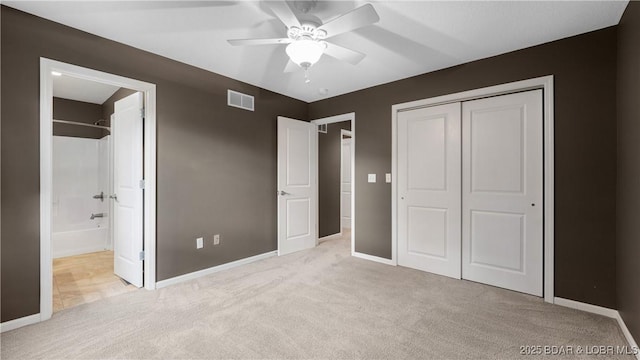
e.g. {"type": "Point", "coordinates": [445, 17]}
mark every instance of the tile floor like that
{"type": "Point", "coordinates": [85, 278]}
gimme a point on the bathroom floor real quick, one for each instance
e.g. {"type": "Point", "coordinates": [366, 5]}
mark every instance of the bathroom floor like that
{"type": "Point", "coordinates": [85, 278]}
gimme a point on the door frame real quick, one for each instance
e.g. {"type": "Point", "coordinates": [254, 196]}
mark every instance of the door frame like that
{"type": "Point", "coordinates": [344, 132]}
{"type": "Point", "coordinates": [336, 119]}
{"type": "Point", "coordinates": [546, 84]}
{"type": "Point", "coordinates": [46, 169]}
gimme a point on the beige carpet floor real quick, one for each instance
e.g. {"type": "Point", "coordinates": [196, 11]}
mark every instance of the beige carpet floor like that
{"type": "Point", "coordinates": [316, 304]}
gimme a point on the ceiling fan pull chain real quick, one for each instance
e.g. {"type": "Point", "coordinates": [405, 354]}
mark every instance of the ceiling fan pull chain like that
{"type": "Point", "coordinates": [306, 76]}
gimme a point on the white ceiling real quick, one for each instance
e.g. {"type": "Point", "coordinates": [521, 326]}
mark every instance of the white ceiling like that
{"type": "Point", "coordinates": [412, 37]}
{"type": "Point", "coordinates": [68, 87]}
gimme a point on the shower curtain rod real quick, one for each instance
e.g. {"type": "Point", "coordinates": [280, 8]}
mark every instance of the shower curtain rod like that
{"type": "Point", "coordinates": [81, 124]}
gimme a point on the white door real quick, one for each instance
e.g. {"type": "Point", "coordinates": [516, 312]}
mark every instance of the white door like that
{"type": "Point", "coordinates": [502, 191]}
{"type": "Point", "coordinates": [345, 181]}
{"type": "Point", "coordinates": [297, 185]}
{"type": "Point", "coordinates": [429, 189]}
{"type": "Point", "coordinates": [126, 134]}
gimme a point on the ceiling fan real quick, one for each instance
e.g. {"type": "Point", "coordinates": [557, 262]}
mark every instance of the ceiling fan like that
{"type": "Point", "coordinates": [306, 39]}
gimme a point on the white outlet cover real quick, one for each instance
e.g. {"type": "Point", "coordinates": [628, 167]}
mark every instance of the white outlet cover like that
{"type": "Point", "coordinates": [371, 178]}
{"type": "Point", "coordinates": [199, 243]}
{"type": "Point", "coordinates": [388, 177]}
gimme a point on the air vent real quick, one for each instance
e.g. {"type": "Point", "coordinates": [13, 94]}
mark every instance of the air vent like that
{"type": "Point", "coordinates": [239, 100]}
{"type": "Point", "coordinates": [322, 128]}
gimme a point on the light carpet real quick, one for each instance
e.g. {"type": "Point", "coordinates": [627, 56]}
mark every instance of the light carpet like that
{"type": "Point", "coordinates": [315, 304]}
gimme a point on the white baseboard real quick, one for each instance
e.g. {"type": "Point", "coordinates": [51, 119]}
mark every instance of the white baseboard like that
{"type": "Point", "coordinates": [632, 343]}
{"type": "Point", "coordinates": [594, 309]}
{"type": "Point", "coordinates": [214, 269]}
{"type": "Point", "coordinates": [611, 313]}
{"type": "Point", "coordinates": [372, 258]}
{"type": "Point", "coordinates": [20, 322]}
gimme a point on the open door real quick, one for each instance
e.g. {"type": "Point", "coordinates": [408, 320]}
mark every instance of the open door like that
{"type": "Point", "coordinates": [297, 185]}
{"type": "Point", "coordinates": [126, 133]}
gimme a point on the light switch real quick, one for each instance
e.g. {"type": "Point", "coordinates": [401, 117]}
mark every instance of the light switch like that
{"type": "Point", "coordinates": [387, 178]}
{"type": "Point", "coordinates": [372, 178]}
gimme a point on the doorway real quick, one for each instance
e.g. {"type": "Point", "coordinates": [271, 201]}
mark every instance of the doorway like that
{"type": "Point", "coordinates": [450, 193]}
{"type": "Point", "coordinates": [346, 164]}
{"type": "Point", "coordinates": [58, 236]}
{"type": "Point", "coordinates": [298, 185]}
{"type": "Point", "coordinates": [336, 171]}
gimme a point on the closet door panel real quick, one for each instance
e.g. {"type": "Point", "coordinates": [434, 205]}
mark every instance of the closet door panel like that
{"type": "Point", "coordinates": [502, 229]}
{"type": "Point", "coordinates": [429, 189]}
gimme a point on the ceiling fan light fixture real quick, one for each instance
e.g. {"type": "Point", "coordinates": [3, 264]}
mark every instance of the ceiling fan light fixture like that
{"type": "Point", "coordinates": [305, 52]}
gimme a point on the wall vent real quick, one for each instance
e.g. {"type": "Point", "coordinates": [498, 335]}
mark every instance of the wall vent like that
{"type": "Point", "coordinates": [240, 100]}
{"type": "Point", "coordinates": [322, 128]}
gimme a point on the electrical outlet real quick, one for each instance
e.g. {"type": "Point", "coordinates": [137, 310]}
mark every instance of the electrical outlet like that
{"type": "Point", "coordinates": [216, 239]}
{"type": "Point", "coordinates": [199, 243]}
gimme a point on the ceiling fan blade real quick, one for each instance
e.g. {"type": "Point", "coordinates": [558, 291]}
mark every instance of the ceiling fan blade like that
{"type": "Point", "coordinates": [351, 56]}
{"type": "Point", "coordinates": [354, 19]}
{"type": "Point", "coordinates": [239, 42]}
{"type": "Point", "coordinates": [291, 67]}
{"type": "Point", "coordinates": [284, 13]}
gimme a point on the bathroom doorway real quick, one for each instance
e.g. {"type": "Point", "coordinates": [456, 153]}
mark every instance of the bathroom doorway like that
{"type": "Point", "coordinates": [97, 185]}
{"type": "Point", "coordinates": [82, 238]}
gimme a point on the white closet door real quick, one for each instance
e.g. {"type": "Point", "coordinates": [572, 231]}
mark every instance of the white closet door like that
{"type": "Point", "coordinates": [502, 191]}
{"type": "Point", "coordinates": [429, 189]}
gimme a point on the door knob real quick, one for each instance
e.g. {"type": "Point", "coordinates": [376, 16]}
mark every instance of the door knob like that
{"type": "Point", "coordinates": [114, 197]}
{"type": "Point", "coordinates": [283, 193]}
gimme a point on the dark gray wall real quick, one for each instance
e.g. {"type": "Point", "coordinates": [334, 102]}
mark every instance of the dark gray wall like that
{"type": "Point", "coordinates": [216, 164]}
{"type": "Point", "coordinates": [585, 160]}
{"type": "Point", "coordinates": [78, 111]}
{"type": "Point", "coordinates": [329, 161]}
{"type": "Point", "coordinates": [628, 196]}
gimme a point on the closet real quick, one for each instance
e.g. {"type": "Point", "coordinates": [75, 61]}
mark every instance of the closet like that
{"type": "Point", "coordinates": [470, 190]}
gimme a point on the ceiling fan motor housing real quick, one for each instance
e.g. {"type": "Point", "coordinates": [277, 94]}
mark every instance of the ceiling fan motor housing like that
{"type": "Point", "coordinates": [307, 31]}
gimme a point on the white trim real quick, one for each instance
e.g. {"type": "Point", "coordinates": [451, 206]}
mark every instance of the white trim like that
{"type": "Point", "coordinates": [344, 132]}
{"type": "Point", "coordinates": [594, 309]}
{"type": "Point", "coordinates": [19, 322]}
{"type": "Point", "coordinates": [46, 132]}
{"type": "Point", "coordinates": [329, 237]}
{"type": "Point", "coordinates": [549, 188]}
{"type": "Point", "coordinates": [335, 119]}
{"type": "Point", "coordinates": [46, 188]}
{"type": "Point", "coordinates": [150, 181]}
{"type": "Point", "coordinates": [214, 269]}
{"type": "Point", "coordinates": [627, 334]}
{"type": "Point", "coordinates": [545, 83]}
{"type": "Point", "coordinates": [373, 258]}
{"type": "Point", "coordinates": [611, 313]}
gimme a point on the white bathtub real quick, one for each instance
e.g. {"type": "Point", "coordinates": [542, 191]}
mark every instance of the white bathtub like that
{"type": "Point", "coordinates": [80, 172]}
{"type": "Point", "coordinates": [68, 243]}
